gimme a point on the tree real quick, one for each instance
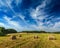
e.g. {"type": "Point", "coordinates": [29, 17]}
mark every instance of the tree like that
{"type": "Point", "coordinates": [43, 32]}
{"type": "Point", "coordinates": [2, 31]}
{"type": "Point", "coordinates": [10, 31]}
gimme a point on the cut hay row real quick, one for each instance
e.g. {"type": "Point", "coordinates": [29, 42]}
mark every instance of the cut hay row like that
{"type": "Point", "coordinates": [24, 43]}
{"type": "Point", "coordinates": [21, 42]}
{"type": "Point", "coordinates": [12, 43]}
{"type": "Point", "coordinates": [31, 41]}
{"type": "Point", "coordinates": [46, 43]}
{"type": "Point", "coordinates": [31, 44]}
{"type": "Point", "coordinates": [57, 45]}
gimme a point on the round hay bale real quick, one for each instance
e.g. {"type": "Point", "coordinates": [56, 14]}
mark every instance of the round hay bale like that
{"type": "Point", "coordinates": [52, 38]}
{"type": "Point", "coordinates": [36, 37]}
{"type": "Point", "coordinates": [20, 36]}
{"type": "Point", "coordinates": [14, 37]}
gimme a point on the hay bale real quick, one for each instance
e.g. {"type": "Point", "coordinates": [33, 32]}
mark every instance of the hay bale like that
{"type": "Point", "coordinates": [36, 37]}
{"type": "Point", "coordinates": [20, 36]}
{"type": "Point", "coordinates": [52, 38]}
{"type": "Point", "coordinates": [14, 37]}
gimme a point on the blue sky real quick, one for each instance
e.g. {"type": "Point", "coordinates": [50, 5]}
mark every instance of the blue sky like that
{"type": "Point", "coordinates": [30, 14]}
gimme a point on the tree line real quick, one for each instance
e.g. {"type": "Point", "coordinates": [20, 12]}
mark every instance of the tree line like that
{"type": "Point", "coordinates": [4, 31]}
{"type": "Point", "coordinates": [40, 32]}
{"type": "Point", "coordinates": [34, 32]}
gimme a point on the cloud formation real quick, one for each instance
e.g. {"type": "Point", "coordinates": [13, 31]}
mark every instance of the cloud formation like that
{"type": "Point", "coordinates": [30, 15]}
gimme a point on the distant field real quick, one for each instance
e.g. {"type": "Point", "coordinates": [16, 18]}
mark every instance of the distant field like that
{"type": "Point", "coordinates": [28, 40]}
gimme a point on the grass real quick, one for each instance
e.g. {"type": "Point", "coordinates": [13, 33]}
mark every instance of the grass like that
{"type": "Point", "coordinates": [28, 41]}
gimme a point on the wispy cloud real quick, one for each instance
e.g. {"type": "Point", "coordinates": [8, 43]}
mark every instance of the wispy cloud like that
{"type": "Point", "coordinates": [39, 14]}
{"type": "Point", "coordinates": [16, 24]}
{"type": "Point", "coordinates": [18, 1]}
{"type": "Point", "coordinates": [27, 19]}
{"type": "Point", "coordinates": [12, 23]}
{"type": "Point", "coordinates": [2, 24]}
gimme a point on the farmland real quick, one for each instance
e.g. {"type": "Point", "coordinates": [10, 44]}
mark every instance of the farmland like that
{"type": "Point", "coordinates": [30, 40]}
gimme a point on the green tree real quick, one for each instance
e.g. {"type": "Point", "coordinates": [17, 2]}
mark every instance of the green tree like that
{"type": "Point", "coordinates": [2, 31]}
{"type": "Point", "coordinates": [7, 31]}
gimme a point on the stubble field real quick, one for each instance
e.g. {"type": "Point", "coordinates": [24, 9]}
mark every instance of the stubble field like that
{"type": "Point", "coordinates": [30, 40]}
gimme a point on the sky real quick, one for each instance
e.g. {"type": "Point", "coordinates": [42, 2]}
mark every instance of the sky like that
{"type": "Point", "coordinates": [28, 15]}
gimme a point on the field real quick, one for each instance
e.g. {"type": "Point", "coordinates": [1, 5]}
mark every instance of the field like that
{"type": "Point", "coordinates": [30, 40]}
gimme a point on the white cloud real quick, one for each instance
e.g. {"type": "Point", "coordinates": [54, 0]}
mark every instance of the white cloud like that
{"type": "Point", "coordinates": [44, 4]}
{"type": "Point", "coordinates": [18, 1]}
{"type": "Point", "coordinates": [16, 14]}
{"type": "Point", "coordinates": [21, 16]}
{"type": "Point", "coordinates": [57, 25]}
{"type": "Point", "coordinates": [34, 13]}
{"type": "Point", "coordinates": [15, 24]}
{"type": "Point", "coordinates": [7, 18]}
{"type": "Point", "coordinates": [1, 3]}
{"type": "Point", "coordinates": [12, 23]}
{"type": "Point", "coordinates": [4, 25]}
{"type": "Point", "coordinates": [1, 24]}
{"type": "Point", "coordinates": [39, 13]}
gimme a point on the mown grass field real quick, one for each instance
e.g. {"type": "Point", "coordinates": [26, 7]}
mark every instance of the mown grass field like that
{"type": "Point", "coordinates": [27, 40]}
